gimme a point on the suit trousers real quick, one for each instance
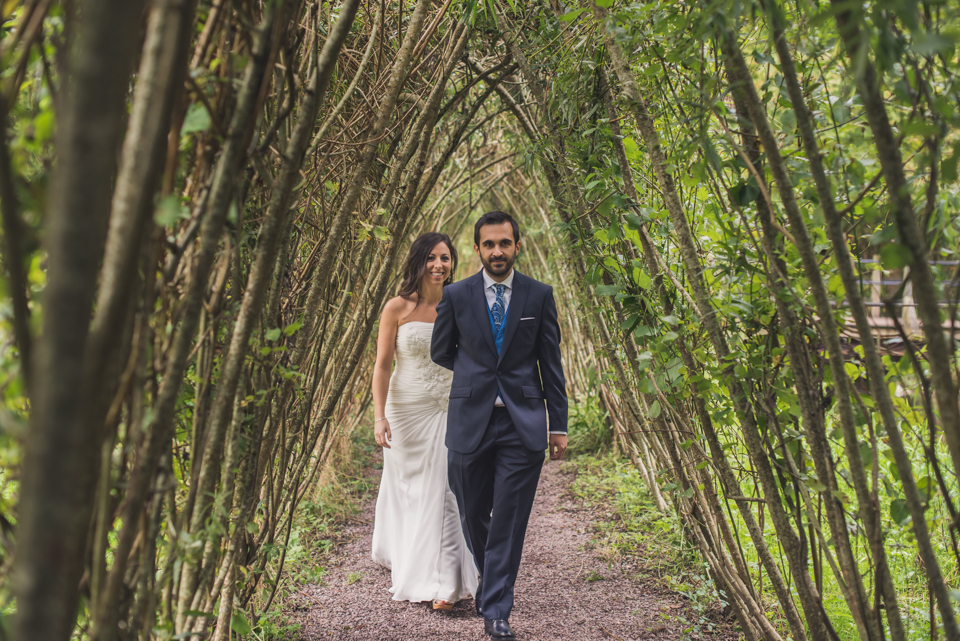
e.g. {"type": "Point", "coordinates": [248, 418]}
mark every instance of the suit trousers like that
{"type": "Point", "coordinates": [495, 486]}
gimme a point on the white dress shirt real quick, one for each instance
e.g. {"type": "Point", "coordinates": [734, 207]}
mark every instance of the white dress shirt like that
{"type": "Point", "coordinates": [491, 297]}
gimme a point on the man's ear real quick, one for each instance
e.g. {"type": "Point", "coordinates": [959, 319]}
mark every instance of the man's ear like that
{"type": "Point", "coordinates": [519, 246]}
{"type": "Point", "coordinates": [476, 249]}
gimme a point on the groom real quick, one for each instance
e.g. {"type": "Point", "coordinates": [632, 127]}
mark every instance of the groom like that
{"type": "Point", "coordinates": [499, 334]}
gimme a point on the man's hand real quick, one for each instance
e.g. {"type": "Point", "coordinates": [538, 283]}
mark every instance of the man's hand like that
{"type": "Point", "coordinates": [558, 445]}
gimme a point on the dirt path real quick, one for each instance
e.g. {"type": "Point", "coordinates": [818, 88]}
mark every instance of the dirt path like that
{"type": "Point", "coordinates": [565, 591]}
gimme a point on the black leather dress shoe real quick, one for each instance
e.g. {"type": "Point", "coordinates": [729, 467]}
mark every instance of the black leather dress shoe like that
{"type": "Point", "coordinates": [498, 629]}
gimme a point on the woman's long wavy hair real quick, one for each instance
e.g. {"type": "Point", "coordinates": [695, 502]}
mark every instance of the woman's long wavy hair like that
{"type": "Point", "coordinates": [415, 267]}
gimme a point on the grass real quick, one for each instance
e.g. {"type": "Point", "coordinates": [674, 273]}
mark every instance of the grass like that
{"type": "Point", "coordinates": [587, 427]}
{"type": "Point", "coordinates": [316, 526]}
{"type": "Point", "coordinates": [629, 531]}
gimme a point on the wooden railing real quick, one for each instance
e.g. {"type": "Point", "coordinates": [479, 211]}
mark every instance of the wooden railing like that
{"type": "Point", "coordinates": [880, 287]}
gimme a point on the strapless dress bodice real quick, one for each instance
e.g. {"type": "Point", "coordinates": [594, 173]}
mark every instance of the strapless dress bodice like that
{"type": "Point", "coordinates": [417, 378]}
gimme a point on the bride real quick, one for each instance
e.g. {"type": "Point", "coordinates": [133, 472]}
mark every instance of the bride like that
{"type": "Point", "coordinates": [417, 531]}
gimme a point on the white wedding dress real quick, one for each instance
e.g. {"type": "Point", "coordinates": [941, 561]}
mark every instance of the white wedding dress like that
{"type": "Point", "coordinates": [417, 531]}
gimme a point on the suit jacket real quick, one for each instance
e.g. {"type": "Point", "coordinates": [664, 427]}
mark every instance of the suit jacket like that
{"type": "Point", "coordinates": [527, 371]}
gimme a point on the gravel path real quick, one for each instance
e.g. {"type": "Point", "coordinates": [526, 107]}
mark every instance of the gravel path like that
{"type": "Point", "coordinates": [565, 591]}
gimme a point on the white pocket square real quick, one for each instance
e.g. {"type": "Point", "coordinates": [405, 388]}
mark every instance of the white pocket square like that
{"type": "Point", "coordinates": [529, 318]}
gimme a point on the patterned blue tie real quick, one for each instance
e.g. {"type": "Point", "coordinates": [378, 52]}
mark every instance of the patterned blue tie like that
{"type": "Point", "coordinates": [498, 308]}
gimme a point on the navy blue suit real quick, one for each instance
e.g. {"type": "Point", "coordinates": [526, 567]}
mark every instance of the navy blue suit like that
{"type": "Point", "coordinates": [495, 454]}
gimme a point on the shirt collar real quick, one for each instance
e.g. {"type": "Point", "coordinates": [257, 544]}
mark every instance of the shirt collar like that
{"type": "Point", "coordinates": [487, 281]}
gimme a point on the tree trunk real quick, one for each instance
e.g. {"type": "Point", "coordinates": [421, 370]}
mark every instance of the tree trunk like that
{"type": "Point", "coordinates": [61, 455]}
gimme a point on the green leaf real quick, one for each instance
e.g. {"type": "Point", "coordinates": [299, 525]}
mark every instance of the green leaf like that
{"type": "Point", "coordinates": [594, 274]}
{"type": "Point", "coordinates": [643, 280]}
{"type": "Point", "coordinates": [745, 194]}
{"type": "Point", "coordinates": [948, 167]}
{"type": "Point", "coordinates": [572, 15]}
{"type": "Point", "coordinates": [866, 455]}
{"type": "Point", "coordinates": [788, 121]}
{"type": "Point", "coordinates": [6, 620]}
{"type": "Point", "coordinates": [899, 512]}
{"type": "Point", "coordinates": [852, 370]}
{"type": "Point", "coordinates": [170, 211]}
{"type": "Point", "coordinates": [233, 214]}
{"type": "Point", "coordinates": [928, 44]}
{"type": "Point", "coordinates": [895, 256]}
{"type": "Point", "coordinates": [239, 61]}
{"type": "Point", "coordinates": [631, 149]}
{"type": "Point", "coordinates": [606, 290]}
{"type": "Point", "coordinates": [197, 119]}
{"type": "Point", "coordinates": [643, 330]}
{"type": "Point", "coordinates": [240, 625]}
{"type": "Point", "coordinates": [882, 235]}
{"type": "Point", "coordinates": [761, 57]}
{"type": "Point", "coordinates": [710, 151]}
{"type": "Point", "coordinates": [273, 334]}
{"type": "Point", "coordinates": [43, 126]}
{"type": "Point", "coordinates": [604, 4]}
{"type": "Point", "coordinates": [292, 327]}
{"type": "Point", "coordinates": [655, 409]}
{"type": "Point", "coordinates": [920, 128]}
{"type": "Point", "coordinates": [635, 222]}
{"type": "Point", "coordinates": [603, 210]}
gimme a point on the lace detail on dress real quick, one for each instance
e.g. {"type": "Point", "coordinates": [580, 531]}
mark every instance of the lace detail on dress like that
{"type": "Point", "coordinates": [435, 379]}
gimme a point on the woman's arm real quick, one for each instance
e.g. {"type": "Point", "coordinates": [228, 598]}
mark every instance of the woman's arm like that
{"type": "Point", "coordinates": [386, 346]}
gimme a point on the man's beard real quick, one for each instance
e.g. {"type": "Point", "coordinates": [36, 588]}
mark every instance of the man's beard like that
{"type": "Point", "coordinates": [504, 269]}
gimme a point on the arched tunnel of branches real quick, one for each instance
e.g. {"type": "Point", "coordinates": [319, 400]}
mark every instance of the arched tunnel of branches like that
{"type": "Point", "coordinates": [747, 209]}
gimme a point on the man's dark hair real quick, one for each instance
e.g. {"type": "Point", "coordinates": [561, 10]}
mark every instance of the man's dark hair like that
{"type": "Point", "coordinates": [495, 218]}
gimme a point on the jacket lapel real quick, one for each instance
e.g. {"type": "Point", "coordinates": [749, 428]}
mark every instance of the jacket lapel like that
{"type": "Point", "coordinates": [514, 311]}
{"type": "Point", "coordinates": [479, 304]}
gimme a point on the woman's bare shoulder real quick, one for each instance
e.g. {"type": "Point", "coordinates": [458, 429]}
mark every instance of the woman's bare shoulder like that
{"type": "Point", "coordinates": [398, 307]}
